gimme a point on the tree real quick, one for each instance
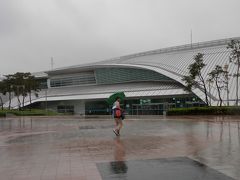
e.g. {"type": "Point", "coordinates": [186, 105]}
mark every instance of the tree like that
{"type": "Point", "coordinates": [234, 57]}
{"type": "Point", "coordinates": [216, 75]}
{"type": "Point", "coordinates": [226, 81]}
{"type": "Point", "coordinates": [24, 84]}
{"type": "Point", "coordinates": [8, 88]}
{"type": "Point", "coordinates": [32, 85]}
{"type": "Point", "coordinates": [1, 92]}
{"type": "Point", "coordinates": [20, 85]}
{"type": "Point", "coordinates": [194, 79]}
{"type": "Point", "coordinates": [210, 82]}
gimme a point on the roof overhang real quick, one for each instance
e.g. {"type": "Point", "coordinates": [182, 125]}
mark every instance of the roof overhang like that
{"type": "Point", "coordinates": [101, 96]}
{"type": "Point", "coordinates": [130, 94]}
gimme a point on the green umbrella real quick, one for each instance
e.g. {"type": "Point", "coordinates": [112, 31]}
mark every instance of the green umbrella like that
{"type": "Point", "coordinates": [113, 97]}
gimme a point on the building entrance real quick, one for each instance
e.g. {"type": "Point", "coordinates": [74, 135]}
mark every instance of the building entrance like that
{"type": "Point", "coordinates": [151, 109]}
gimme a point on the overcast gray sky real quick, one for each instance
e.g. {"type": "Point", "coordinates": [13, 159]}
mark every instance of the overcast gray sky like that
{"type": "Point", "coordinates": [82, 31]}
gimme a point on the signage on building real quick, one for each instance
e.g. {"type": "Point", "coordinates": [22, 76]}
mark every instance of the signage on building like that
{"type": "Point", "coordinates": [145, 101]}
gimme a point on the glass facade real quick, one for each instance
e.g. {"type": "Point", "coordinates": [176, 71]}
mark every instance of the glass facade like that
{"type": "Point", "coordinates": [65, 109]}
{"type": "Point", "coordinates": [84, 78]}
{"type": "Point", "coordinates": [107, 76]}
{"type": "Point", "coordinates": [42, 83]}
{"type": "Point", "coordinates": [144, 106]}
{"type": "Point", "coordinates": [123, 75]}
{"type": "Point", "coordinates": [97, 107]}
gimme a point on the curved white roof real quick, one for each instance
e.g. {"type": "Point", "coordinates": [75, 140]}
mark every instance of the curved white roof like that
{"type": "Point", "coordinates": [173, 62]}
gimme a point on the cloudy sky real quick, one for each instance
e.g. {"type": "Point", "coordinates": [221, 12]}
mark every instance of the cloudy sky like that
{"type": "Point", "coordinates": [81, 31]}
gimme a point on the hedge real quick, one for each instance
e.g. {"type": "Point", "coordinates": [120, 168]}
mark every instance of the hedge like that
{"type": "Point", "coordinates": [32, 112]}
{"type": "Point", "coordinates": [205, 111]}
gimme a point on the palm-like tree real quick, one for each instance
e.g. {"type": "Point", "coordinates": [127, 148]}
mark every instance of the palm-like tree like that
{"type": "Point", "coordinates": [216, 75]}
{"type": "Point", "coordinates": [8, 88]}
{"type": "Point", "coordinates": [20, 85]}
{"type": "Point", "coordinates": [1, 92]}
{"type": "Point", "coordinates": [234, 45]}
{"type": "Point", "coordinates": [27, 84]}
{"type": "Point", "coordinates": [194, 77]}
{"type": "Point", "coordinates": [32, 86]}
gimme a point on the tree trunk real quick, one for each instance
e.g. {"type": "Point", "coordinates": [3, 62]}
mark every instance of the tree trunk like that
{"type": "Point", "coordinates": [30, 97]}
{"type": "Point", "coordinates": [1, 102]}
{"type": "Point", "coordinates": [237, 82]}
{"type": "Point", "coordinates": [23, 102]}
{"type": "Point", "coordinates": [10, 100]}
{"type": "Point", "coordinates": [209, 89]}
{"type": "Point", "coordinates": [219, 93]}
{"type": "Point", "coordinates": [19, 103]}
{"type": "Point", "coordinates": [205, 89]}
{"type": "Point", "coordinates": [227, 94]}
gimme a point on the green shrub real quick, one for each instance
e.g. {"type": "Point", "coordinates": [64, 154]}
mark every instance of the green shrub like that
{"type": "Point", "coordinates": [2, 113]}
{"type": "Point", "coordinates": [32, 112]}
{"type": "Point", "coordinates": [205, 111]}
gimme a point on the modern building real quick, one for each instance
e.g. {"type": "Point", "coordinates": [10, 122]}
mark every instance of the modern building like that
{"type": "Point", "coordinates": [152, 81]}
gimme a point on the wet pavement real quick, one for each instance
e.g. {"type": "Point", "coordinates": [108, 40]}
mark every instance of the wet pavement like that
{"type": "Point", "coordinates": [166, 168]}
{"type": "Point", "coordinates": [69, 148]}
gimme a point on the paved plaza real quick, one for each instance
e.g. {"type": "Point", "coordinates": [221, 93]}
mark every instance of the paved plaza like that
{"type": "Point", "coordinates": [73, 148]}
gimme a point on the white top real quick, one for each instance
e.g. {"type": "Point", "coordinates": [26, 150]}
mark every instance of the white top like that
{"type": "Point", "coordinates": [116, 105]}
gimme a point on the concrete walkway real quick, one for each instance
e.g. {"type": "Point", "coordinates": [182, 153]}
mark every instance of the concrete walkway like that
{"type": "Point", "coordinates": [69, 148]}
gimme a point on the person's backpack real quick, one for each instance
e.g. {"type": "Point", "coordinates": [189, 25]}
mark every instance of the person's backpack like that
{"type": "Point", "coordinates": [118, 113]}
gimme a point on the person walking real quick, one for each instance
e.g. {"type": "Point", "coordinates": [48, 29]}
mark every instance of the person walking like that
{"type": "Point", "coordinates": [117, 114]}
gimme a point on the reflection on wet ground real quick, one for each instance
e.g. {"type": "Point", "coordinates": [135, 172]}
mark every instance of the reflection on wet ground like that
{"type": "Point", "coordinates": [166, 168]}
{"type": "Point", "coordinates": [70, 147]}
{"type": "Point", "coordinates": [118, 166]}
